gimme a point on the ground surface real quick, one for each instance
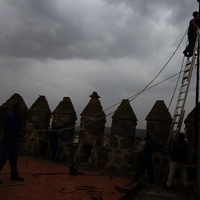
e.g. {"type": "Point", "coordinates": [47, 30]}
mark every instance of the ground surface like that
{"type": "Point", "coordinates": [159, 192]}
{"type": "Point", "coordinates": [46, 180]}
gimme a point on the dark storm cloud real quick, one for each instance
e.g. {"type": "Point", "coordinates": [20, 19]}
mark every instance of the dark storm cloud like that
{"type": "Point", "coordinates": [41, 29]}
{"type": "Point", "coordinates": [37, 30]}
{"type": "Point", "coordinates": [72, 48]}
{"type": "Point", "coordinates": [144, 8]}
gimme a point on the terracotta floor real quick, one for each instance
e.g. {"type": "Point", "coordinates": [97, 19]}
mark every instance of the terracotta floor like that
{"type": "Point", "coordinates": [47, 180]}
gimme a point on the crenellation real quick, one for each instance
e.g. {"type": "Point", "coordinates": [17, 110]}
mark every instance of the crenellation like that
{"type": "Point", "coordinates": [91, 129]}
{"type": "Point", "coordinates": [159, 122]}
{"type": "Point", "coordinates": [123, 126]}
{"type": "Point", "coordinates": [6, 108]}
{"type": "Point", "coordinates": [40, 114]}
{"type": "Point", "coordinates": [120, 154]}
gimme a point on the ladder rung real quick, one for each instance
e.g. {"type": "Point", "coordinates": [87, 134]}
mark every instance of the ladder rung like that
{"type": "Point", "coordinates": [188, 63]}
{"type": "Point", "coordinates": [186, 76]}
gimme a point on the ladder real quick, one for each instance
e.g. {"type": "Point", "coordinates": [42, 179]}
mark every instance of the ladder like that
{"type": "Point", "coordinates": [179, 112]}
{"type": "Point", "coordinates": [186, 79]}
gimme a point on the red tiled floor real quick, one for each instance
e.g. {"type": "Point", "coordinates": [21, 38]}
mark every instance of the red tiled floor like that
{"type": "Point", "coordinates": [46, 180]}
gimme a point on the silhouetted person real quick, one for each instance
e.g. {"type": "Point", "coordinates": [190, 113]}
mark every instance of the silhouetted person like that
{"type": "Point", "coordinates": [54, 140]}
{"type": "Point", "coordinates": [13, 129]}
{"type": "Point", "coordinates": [146, 160]}
{"type": "Point", "coordinates": [178, 159]}
{"type": "Point", "coordinates": [194, 25]}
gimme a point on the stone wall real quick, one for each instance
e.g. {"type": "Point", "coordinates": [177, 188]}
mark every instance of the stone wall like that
{"type": "Point", "coordinates": [120, 155]}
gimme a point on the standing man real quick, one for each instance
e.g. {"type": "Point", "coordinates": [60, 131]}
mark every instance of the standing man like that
{"type": "Point", "coordinates": [146, 160]}
{"type": "Point", "coordinates": [12, 130]}
{"type": "Point", "coordinates": [54, 140]}
{"type": "Point", "coordinates": [178, 159]}
{"type": "Point", "coordinates": [194, 25]}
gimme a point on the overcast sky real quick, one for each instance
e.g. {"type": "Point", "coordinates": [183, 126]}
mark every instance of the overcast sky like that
{"type": "Point", "coordinates": [70, 48]}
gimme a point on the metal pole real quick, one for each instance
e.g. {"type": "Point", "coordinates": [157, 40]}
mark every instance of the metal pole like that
{"type": "Point", "coordinates": [197, 96]}
{"type": "Point", "coordinates": [197, 117]}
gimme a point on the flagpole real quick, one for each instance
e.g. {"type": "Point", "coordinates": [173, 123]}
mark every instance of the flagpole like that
{"type": "Point", "coordinates": [197, 94]}
{"type": "Point", "coordinates": [197, 138]}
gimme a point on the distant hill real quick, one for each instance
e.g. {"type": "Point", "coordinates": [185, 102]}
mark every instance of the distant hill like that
{"type": "Point", "coordinates": [107, 130]}
{"type": "Point", "coordinates": [139, 132]}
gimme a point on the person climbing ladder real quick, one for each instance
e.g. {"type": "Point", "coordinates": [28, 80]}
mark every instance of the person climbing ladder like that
{"type": "Point", "coordinates": [194, 25]}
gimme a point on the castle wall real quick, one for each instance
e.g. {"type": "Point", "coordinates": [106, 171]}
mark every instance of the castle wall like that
{"type": "Point", "coordinates": [120, 154]}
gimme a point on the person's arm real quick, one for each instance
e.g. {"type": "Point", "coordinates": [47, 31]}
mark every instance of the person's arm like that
{"type": "Point", "coordinates": [186, 137]}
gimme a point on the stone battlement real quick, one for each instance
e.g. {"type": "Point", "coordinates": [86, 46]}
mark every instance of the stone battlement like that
{"type": "Point", "coordinates": [121, 154]}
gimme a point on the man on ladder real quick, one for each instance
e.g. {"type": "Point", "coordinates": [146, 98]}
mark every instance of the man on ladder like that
{"type": "Point", "coordinates": [194, 24]}
{"type": "Point", "coordinates": [179, 112]}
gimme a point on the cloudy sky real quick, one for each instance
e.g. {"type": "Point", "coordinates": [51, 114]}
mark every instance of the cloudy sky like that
{"type": "Point", "coordinates": [70, 48]}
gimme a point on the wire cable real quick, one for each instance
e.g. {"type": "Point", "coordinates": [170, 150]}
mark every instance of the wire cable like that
{"type": "Point", "coordinates": [131, 98]}
{"type": "Point", "coordinates": [92, 191]}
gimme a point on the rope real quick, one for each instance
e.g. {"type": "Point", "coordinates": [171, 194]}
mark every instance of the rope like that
{"type": "Point", "coordinates": [92, 191]}
{"type": "Point", "coordinates": [147, 87]}
{"type": "Point", "coordinates": [131, 98]}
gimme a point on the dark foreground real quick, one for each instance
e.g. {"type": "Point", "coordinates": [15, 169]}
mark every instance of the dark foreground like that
{"type": "Point", "coordinates": [46, 180]}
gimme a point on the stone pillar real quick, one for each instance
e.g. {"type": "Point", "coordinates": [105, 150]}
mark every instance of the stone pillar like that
{"type": "Point", "coordinates": [91, 129]}
{"type": "Point", "coordinates": [65, 115]}
{"type": "Point", "coordinates": [92, 122]}
{"type": "Point", "coordinates": [159, 122]}
{"type": "Point", "coordinates": [38, 124]}
{"type": "Point", "coordinates": [123, 127]}
{"type": "Point", "coordinates": [40, 114]}
{"type": "Point", "coordinates": [6, 108]}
